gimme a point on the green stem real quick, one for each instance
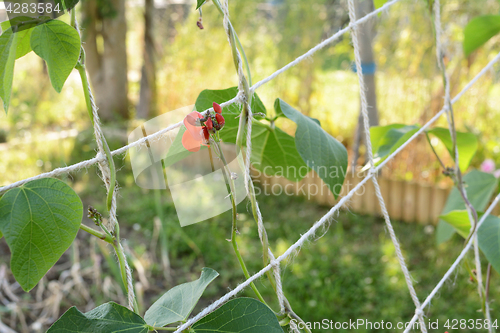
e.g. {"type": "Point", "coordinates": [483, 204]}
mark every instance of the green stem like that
{"type": "Point", "coordinates": [474, 277]}
{"type": "Point", "coordinates": [101, 235]}
{"type": "Point", "coordinates": [85, 83]}
{"type": "Point", "coordinates": [434, 151]}
{"type": "Point", "coordinates": [458, 174]}
{"type": "Point", "coordinates": [235, 41]}
{"type": "Point", "coordinates": [73, 18]}
{"type": "Point", "coordinates": [241, 130]}
{"type": "Point", "coordinates": [293, 315]}
{"type": "Point", "coordinates": [112, 180]}
{"type": "Point", "coordinates": [122, 263]}
{"type": "Point", "coordinates": [234, 229]}
{"type": "Point", "coordinates": [80, 66]}
{"type": "Point", "coordinates": [86, 90]}
{"type": "Point", "coordinates": [247, 66]}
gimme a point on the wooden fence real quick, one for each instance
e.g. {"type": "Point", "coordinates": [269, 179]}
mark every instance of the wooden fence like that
{"type": "Point", "coordinates": [405, 201]}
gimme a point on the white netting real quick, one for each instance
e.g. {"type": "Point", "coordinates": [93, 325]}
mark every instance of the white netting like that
{"type": "Point", "coordinates": [244, 97]}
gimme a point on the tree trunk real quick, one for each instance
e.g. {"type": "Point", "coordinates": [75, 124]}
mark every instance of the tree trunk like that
{"type": "Point", "coordinates": [147, 97]}
{"type": "Point", "coordinates": [366, 33]}
{"type": "Point", "coordinates": [107, 61]}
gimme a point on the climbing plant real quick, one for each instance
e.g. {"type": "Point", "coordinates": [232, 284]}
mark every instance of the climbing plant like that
{"type": "Point", "coordinates": [40, 217]}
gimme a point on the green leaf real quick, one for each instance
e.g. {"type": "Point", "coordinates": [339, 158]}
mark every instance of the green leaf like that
{"type": "Point", "coordinates": [231, 112]}
{"type": "Point", "coordinates": [39, 221]}
{"type": "Point", "coordinates": [466, 144]}
{"type": "Point", "coordinates": [59, 45]}
{"type": "Point", "coordinates": [319, 150]}
{"type": "Point", "coordinates": [489, 240]}
{"type": "Point", "coordinates": [274, 152]}
{"type": "Point", "coordinates": [200, 3]}
{"type": "Point", "coordinates": [488, 233]}
{"type": "Point", "coordinates": [479, 30]}
{"type": "Point", "coordinates": [458, 219]}
{"type": "Point", "coordinates": [377, 133]}
{"type": "Point", "coordinates": [22, 32]}
{"type": "Point", "coordinates": [109, 317]}
{"type": "Point", "coordinates": [177, 303]}
{"type": "Point", "coordinates": [8, 47]}
{"type": "Point", "coordinates": [245, 315]}
{"type": "Point", "coordinates": [479, 186]}
{"type": "Point", "coordinates": [379, 3]}
{"type": "Point", "coordinates": [386, 139]}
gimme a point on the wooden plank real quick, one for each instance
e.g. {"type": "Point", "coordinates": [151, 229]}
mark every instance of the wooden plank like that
{"type": "Point", "coordinates": [410, 202]}
{"type": "Point", "coordinates": [395, 206]}
{"type": "Point", "coordinates": [357, 198]}
{"type": "Point", "coordinates": [439, 197]}
{"type": "Point", "coordinates": [424, 201]}
{"type": "Point", "coordinates": [496, 210]}
{"type": "Point", "coordinates": [330, 198]}
{"type": "Point", "coordinates": [370, 201]}
{"type": "Point", "coordinates": [322, 196]}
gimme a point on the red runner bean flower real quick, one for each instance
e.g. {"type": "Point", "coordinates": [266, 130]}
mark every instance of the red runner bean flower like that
{"type": "Point", "coordinates": [195, 135]}
{"type": "Point", "coordinates": [217, 108]}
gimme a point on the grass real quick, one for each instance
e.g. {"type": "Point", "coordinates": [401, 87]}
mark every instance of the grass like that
{"type": "Point", "coordinates": [349, 272]}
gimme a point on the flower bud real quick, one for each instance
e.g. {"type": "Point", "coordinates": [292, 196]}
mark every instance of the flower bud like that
{"type": "Point", "coordinates": [217, 108]}
{"type": "Point", "coordinates": [220, 120]}
{"type": "Point", "coordinates": [209, 123]}
{"type": "Point", "coordinates": [206, 135]}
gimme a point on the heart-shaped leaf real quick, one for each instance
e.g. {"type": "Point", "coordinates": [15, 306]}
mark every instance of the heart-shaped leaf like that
{"type": "Point", "coordinates": [109, 317]}
{"type": "Point", "coordinates": [274, 152]}
{"type": "Point", "coordinates": [458, 219]}
{"type": "Point", "coordinates": [318, 149]}
{"type": "Point", "coordinates": [479, 30]}
{"type": "Point", "coordinates": [59, 45]}
{"type": "Point", "coordinates": [488, 233]}
{"type": "Point", "coordinates": [177, 303]}
{"type": "Point", "coordinates": [386, 139]}
{"type": "Point", "coordinates": [489, 240]}
{"type": "Point", "coordinates": [240, 315]}
{"type": "Point", "coordinates": [39, 221]}
{"type": "Point", "coordinates": [479, 187]}
{"type": "Point", "coordinates": [466, 144]}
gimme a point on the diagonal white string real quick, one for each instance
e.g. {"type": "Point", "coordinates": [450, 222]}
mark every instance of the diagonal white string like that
{"type": "Point", "coordinates": [366, 124]}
